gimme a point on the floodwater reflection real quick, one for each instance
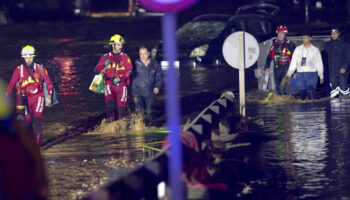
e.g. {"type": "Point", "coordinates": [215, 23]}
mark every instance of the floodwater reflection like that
{"type": "Point", "coordinates": [69, 84]}
{"type": "Point", "coordinates": [312, 146]}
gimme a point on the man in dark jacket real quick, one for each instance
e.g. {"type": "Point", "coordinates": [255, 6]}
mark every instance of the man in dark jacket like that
{"type": "Point", "coordinates": [337, 51]}
{"type": "Point", "coordinates": [147, 80]}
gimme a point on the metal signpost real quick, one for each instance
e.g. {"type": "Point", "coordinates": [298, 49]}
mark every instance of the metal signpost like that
{"type": "Point", "coordinates": [241, 51]}
{"type": "Point", "coordinates": [169, 7]}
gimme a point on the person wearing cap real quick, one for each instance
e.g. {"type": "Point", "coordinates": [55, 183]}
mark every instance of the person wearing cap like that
{"type": "Point", "coordinates": [116, 67]}
{"type": "Point", "coordinates": [31, 77]}
{"type": "Point", "coordinates": [337, 51]}
{"type": "Point", "coordinates": [307, 61]}
{"type": "Point", "coordinates": [280, 54]}
{"type": "Point", "coordinates": [147, 80]}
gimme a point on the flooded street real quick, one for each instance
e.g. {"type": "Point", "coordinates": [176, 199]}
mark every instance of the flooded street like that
{"type": "Point", "coordinates": [81, 164]}
{"type": "Point", "coordinates": [312, 147]}
{"type": "Point", "coordinates": [312, 139]}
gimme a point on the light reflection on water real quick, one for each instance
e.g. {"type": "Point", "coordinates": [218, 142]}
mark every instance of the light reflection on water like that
{"type": "Point", "coordinates": [312, 147]}
{"type": "Point", "coordinates": [69, 84]}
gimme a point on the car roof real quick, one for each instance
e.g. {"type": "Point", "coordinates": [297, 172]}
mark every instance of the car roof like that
{"type": "Point", "coordinates": [212, 17]}
{"type": "Point", "coordinates": [254, 15]}
{"type": "Point", "coordinates": [263, 8]}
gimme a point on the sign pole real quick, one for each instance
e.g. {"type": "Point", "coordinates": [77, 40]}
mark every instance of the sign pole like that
{"type": "Point", "coordinates": [241, 74]}
{"type": "Point", "coordinates": [241, 51]}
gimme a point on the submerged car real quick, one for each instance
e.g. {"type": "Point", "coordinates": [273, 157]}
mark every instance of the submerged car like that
{"type": "Point", "coordinates": [193, 37]}
{"type": "Point", "coordinates": [200, 41]}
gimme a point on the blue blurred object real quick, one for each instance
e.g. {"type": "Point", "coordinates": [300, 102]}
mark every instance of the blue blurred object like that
{"type": "Point", "coordinates": [293, 85]}
{"type": "Point", "coordinates": [172, 105]}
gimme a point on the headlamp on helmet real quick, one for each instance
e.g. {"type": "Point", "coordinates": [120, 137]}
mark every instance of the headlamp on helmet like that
{"type": "Point", "coordinates": [335, 30]}
{"type": "Point", "coordinates": [28, 52]}
{"type": "Point", "coordinates": [116, 39]}
{"type": "Point", "coordinates": [282, 29]}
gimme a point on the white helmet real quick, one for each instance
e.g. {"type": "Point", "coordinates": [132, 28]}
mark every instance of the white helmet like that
{"type": "Point", "coordinates": [28, 52]}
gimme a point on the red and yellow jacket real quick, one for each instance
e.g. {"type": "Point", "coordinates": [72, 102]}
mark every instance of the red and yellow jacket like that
{"type": "Point", "coordinates": [280, 53]}
{"type": "Point", "coordinates": [121, 67]}
{"type": "Point", "coordinates": [30, 81]}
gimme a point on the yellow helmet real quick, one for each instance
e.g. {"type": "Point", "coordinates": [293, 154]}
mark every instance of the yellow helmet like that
{"type": "Point", "coordinates": [28, 51]}
{"type": "Point", "coordinates": [116, 39]}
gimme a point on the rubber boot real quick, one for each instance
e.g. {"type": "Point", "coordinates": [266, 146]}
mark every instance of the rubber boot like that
{"type": "Point", "coordinates": [121, 112]}
{"type": "Point", "coordinates": [335, 93]}
{"type": "Point", "coordinates": [37, 129]}
{"type": "Point", "coordinates": [110, 111]}
{"type": "Point", "coordinates": [37, 139]}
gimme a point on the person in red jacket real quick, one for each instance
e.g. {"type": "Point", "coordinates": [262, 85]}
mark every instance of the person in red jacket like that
{"type": "Point", "coordinates": [281, 55]}
{"type": "Point", "coordinates": [31, 77]}
{"type": "Point", "coordinates": [116, 67]}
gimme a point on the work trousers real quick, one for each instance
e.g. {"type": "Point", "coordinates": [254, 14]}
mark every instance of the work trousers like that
{"type": "Point", "coordinates": [34, 114]}
{"type": "Point", "coordinates": [115, 96]}
{"type": "Point", "coordinates": [339, 80]}
{"type": "Point", "coordinates": [306, 84]}
{"type": "Point", "coordinates": [143, 105]}
{"type": "Point", "coordinates": [279, 73]}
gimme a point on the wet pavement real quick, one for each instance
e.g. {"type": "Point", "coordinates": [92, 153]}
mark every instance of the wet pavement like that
{"type": "Point", "coordinates": [312, 138]}
{"type": "Point", "coordinates": [81, 164]}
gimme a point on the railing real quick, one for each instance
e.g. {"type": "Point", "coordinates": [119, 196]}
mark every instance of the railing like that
{"type": "Point", "coordinates": [142, 182]}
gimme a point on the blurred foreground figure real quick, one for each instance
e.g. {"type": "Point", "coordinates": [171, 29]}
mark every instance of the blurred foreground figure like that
{"type": "Point", "coordinates": [338, 57]}
{"type": "Point", "coordinates": [147, 80]}
{"type": "Point", "coordinates": [116, 68]}
{"type": "Point", "coordinates": [22, 174]}
{"type": "Point", "coordinates": [29, 79]}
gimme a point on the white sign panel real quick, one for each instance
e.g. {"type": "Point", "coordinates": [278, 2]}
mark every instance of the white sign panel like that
{"type": "Point", "coordinates": [232, 50]}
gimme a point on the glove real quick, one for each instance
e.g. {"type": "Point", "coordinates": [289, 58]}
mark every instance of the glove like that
{"type": "Point", "coordinates": [116, 81]}
{"type": "Point", "coordinates": [108, 62]}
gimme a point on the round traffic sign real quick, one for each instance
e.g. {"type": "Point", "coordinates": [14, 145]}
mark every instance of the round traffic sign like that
{"type": "Point", "coordinates": [240, 50]}
{"type": "Point", "coordinates": [167, 5]}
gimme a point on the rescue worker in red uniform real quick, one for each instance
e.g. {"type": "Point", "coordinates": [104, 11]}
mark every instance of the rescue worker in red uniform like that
{"type": "Point", "coordinates": [31, 77]}
{"type": "Point", "coordinates": [116, 67]}
{"type": "Point", "coordinates": [281, 54]}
